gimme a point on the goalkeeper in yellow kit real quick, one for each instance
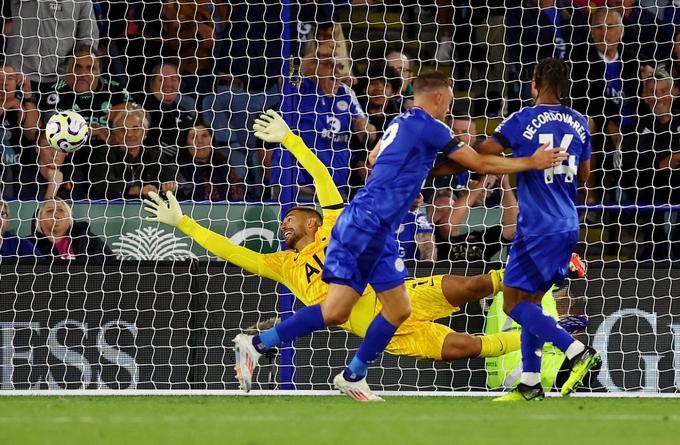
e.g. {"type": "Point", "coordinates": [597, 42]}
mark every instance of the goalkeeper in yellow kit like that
{"type": "Point", "coordinates": [306, 232]}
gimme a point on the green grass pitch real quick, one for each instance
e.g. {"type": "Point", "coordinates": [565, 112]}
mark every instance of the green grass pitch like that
{"type": "Point", "coordinates": [302, 420]}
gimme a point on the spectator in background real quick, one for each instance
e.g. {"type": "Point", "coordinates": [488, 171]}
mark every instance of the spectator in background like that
{"type": "Point", "coordinates": [643, 36]}
{"type": "Point", "coordinates": [84, 89]}
{"type": "Point", "coordinates": [379, 100]}
{"type": "Point", "coordinates": [19, 130]}
{"type": "Point", "coordinates": [327, 114]}
{"type": "Point", "coordinates": [539, 29]}
{"type": "Point", "coordinates": [189, 36]}
{"type": "Point", "coordinates": [206, 170]}
{"type": "Point", "coordinates": [650, 163]}
{"type": "Point", "coordinates": [132, 168]}
{"type": "Point", "coordinates": [415, 235]}
{"type": "Point", "coordinates": [53, 175]}
{"type": "Point", "coordinates": [604, 86]}
{"type": "Point", "coordinates": [451, 212]}
{"type": "Point", "coordinates": [57, 234]}
{"type": "Point", "coordinates": [169, 111]}
{"type": "Point", "coordinates": [43, 36]}
{"type": "Point", "coordinates": [404, 65]}
{"type": "Point", "coordinates": [253, 43]}
{"type": "Point", "coordinates": [384, 86]}
{"type": "Point", "coordinates": [12, 246]}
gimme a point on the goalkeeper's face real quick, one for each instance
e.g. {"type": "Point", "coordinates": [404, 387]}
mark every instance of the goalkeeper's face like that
{"type": "Point", "coordinates": [298, 229]}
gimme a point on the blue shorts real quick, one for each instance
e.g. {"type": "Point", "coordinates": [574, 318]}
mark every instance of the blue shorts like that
{"type": "Point", "coordinates": [537, 262]}
{"type": "Point", "coordinates": [363, 250]}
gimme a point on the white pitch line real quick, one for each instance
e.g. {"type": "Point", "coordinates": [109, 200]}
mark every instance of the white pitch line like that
{"type": "Point", "coordinates": [310, 393]}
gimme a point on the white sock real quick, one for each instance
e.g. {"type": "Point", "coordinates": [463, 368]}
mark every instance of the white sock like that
{"type": "Point", "coordinates": [531, 378]}
{"type": "Point", "coordinates": [574, 349]}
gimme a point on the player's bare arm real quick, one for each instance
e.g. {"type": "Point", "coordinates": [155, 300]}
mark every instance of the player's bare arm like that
{"type": "Point", "coordinates": [542, 158]}
{"type": "Point", "coordinates": [584, 171]}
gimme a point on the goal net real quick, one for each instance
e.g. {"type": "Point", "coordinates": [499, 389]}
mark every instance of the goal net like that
{"type": "Point", "coordinates": [94, 297]}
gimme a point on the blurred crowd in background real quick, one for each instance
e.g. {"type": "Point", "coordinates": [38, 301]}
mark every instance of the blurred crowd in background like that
{"type": "Point", "coordinates": [171, 89]}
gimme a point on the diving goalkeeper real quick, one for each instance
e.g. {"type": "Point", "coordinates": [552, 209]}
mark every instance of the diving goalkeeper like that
{"type": "Point", "coordinates": [306, 232]}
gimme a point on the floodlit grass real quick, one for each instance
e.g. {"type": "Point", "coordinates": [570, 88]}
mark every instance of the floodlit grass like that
{"type": "Point", "coordinates": [335, 420]}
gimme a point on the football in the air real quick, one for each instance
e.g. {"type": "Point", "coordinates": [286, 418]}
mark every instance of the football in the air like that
{"type": "Point", "coordinates": [67, 131]}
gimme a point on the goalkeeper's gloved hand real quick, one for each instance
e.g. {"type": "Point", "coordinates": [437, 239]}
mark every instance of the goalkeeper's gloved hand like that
{"type": "Point", "coordinates": [165, 212]}
{"type": "Point", "coordinates": [270, 127]}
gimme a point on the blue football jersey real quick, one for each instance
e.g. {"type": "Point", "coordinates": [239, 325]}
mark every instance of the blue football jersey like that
{"type": "Point", "coordinates": [325, 124]}
{"type": "Point", "coordinates": [408, 149]}
{"type": "Point", "coordinates": [412, 224]}
{"type": "Point", "coordinates": [547, 197]}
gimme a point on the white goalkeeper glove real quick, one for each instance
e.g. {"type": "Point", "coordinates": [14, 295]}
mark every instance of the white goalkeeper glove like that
{"type": "Point", "coordinates": [165, 212]}
{"type": "Point", "coordinates": [270, 127]}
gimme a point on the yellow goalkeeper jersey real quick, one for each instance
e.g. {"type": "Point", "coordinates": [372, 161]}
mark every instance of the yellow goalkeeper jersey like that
{"type": "Point", "coordinates": [299, 271]}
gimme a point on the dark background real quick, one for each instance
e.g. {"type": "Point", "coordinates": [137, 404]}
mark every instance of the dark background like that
{"type": "Point", "coordinates": [169, 326]}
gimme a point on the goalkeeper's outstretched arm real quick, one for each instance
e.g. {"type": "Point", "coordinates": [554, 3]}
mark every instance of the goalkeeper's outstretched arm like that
{"type": "Point", "coordinates": [271, 127]}
{"type": "Point", "coordinates": [170, 213]}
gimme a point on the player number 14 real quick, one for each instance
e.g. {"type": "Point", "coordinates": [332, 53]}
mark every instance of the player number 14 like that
{"type": "Point", "coordinates": [569, 170]}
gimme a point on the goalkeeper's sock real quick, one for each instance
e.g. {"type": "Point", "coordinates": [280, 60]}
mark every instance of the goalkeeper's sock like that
{"type": "Point", "coordinates": [303, 322]}
{"type": "Point", "coordinates": [498, 344]}
{"type": "Point", "coordinates": [497, 280]}
{"type": "Point", "coordinates": [532, 319]}
{"type": "Point", "coordinates": [378, 336]}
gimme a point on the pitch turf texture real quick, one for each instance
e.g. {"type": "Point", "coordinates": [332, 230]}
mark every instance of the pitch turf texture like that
{"type": "Point", "coordinates": [335, 420]}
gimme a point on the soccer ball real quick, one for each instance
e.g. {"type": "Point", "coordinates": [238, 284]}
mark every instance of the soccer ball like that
{"type": "Point", "coordinates": [67, 131]}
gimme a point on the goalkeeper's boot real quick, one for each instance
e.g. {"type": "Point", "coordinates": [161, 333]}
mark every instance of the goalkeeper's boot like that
{"type": "Point", "coordinates": [574, 324]}
{"type": "Point", "coordinates": [580, 365]}
{"type": "Point", "coordinates": [357, 390]}
{"type": "Point", "coordinates": [523, 393]}
{"type": "Point", "coordinates": [577, 267]}
{"type": "Point", "coordinates": [246, 360]}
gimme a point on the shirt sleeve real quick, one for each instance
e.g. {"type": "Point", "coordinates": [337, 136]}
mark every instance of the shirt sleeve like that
{"type": "Point", "coordinates": [219, 245]}
{"type": "Point", "coordinates": [355, 108]}
{"type": "Point", "coordinates": [442, 137]}
{"type": "Point", "coordinates": [423, 224]}
{"type": "Point", "coordinates": [504, 133]}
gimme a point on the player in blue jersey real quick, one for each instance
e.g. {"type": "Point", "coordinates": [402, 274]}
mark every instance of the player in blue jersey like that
{"type": "Point", "coordinates": [547, 227]}
{"type": "Point", "coordinates": [363, 249]}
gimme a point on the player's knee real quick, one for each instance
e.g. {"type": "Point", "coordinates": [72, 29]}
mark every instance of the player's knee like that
{"type": "Point", "coordinates": [401, 311]}
{"type": "Point", "coordinates": [508, 306]}
{"type": "Point", "coordinates": [335, 315]}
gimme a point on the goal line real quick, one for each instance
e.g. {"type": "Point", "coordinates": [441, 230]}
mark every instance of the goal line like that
{"type": "Point", "coordinates": [312, 393]}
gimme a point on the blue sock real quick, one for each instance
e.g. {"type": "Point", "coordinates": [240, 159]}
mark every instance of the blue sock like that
{"type": "Point", "coordinates": [378, 335]}
{"type": "Point", "coordinates": [531, 362]}
{"type": "Point", "coordinates": [532, 319]}
{"type": "Point", "coordinates": [306, 320]}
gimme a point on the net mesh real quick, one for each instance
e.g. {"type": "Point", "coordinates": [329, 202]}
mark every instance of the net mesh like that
{"type": "Point", "coordinates": [95, 297]}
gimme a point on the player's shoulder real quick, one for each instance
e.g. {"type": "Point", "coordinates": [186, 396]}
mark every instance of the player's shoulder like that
{"type": "Point", "coordinates": [578, 115]}
{"type": "Point", "coordinates": [513, 119]}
